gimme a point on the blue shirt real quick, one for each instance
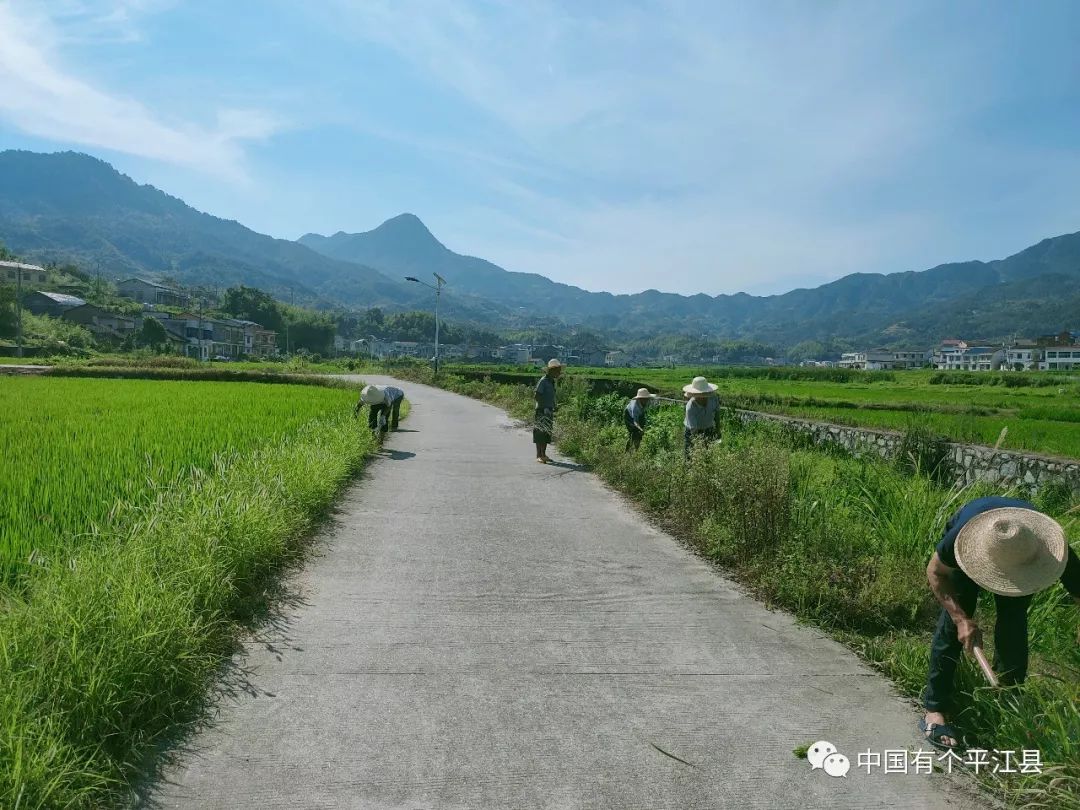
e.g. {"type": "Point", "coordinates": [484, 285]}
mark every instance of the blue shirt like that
{"type": "Point", "coordinates": [701, 417]}
{"type": "Point", "coordinates": [634, 413]}
{"type": "Point", "coordinates": [390, 394]}
{"type": "Point", "coordinates": [946, 547]}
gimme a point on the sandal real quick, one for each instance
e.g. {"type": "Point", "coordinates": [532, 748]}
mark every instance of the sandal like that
{"type": "Point", "coordinates": [935, 731]}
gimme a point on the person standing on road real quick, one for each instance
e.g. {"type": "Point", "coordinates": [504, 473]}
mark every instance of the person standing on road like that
{"type": "Point", "coordinates": [1009, 548]}
{"type": "Point", "coordinates": [702, 410]}
{"type": "Point", "coordinates": [634, 417]}
{"type": "Point", "coordinates": [545, 410]}
{"type": "Point", "coordinates": [384, 406]}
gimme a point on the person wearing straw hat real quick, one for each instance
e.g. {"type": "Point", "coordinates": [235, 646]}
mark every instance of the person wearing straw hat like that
{"type": "Point", "coordinates": [384, 406]}
{"type": "Point", "coordinates": [634, 417]}
{"type": "Point", "coordinates": [544, 423]}
{"type": "Point", "coordinates": [1009, 548]}
{"type": "Point", "coordinates": [702, 408]}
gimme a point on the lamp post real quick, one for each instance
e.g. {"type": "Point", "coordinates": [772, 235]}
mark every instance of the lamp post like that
{"type": "Point", "coordinates": [439, 282]}
{"type": "Point", "coordinates": [18, 311]}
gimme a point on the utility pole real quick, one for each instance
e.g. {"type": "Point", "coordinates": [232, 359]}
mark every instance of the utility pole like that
{"type": "Point", "coordinates": [292, 303]}
{"type": "Point", "coordinates": [438, 292]}
{"type": "Point", "coordinates": [18, 312]}
{"type": "Point", "coordinates": [439, 282]}
{"type": "Point", "coordinates": [202, 303]}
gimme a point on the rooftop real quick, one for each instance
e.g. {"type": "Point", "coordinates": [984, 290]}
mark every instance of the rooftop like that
{"type": "Point", "coordinates": [63, 300]}
{"type": "Point", "coordinates": [148, 283]}
{"type": "Point", "coordinates": [22, 266]}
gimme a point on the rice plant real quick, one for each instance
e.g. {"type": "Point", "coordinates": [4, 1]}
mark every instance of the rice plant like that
{"type": "Point", "coordinates": [77, 455]}
{"type": "Point", "coordinates": [105, 657]}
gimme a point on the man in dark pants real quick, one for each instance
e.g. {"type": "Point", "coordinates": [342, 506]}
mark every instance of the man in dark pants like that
{"type": "Point", "coordinates": [385, 406]}
{"type": "Point", "coordinates": [1005, 546]}
{"type": "Point", "coordinates": [634, 417]}
{"type": "Point", "coordinates": [545, 410]}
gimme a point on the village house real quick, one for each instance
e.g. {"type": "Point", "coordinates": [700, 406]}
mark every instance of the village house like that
{"type": "Point", "coordinates": [1023, 355]}
{"type": "Point", "coordinates": [258, 342]}
{"type": "Point", "coordinates": [451, 351]}
{"type": "Point", "coordinates": [50, 303]}
{"type": "Point", "coordinates": [982, 358]}
{"type": "Point", "coordinates": [10, 273]}
{"type": "Point", "coordinates": [197, 333]}
{"type": "Point", "coordinates": [515, 353]}
{"type": "Point", "coordinates": [105, 326]}
{"type": "Point", "coordinates": [148, 292]}
{"type": "Point", "coordinates": [404, 348]}
{"type": "Point", "coordinates": [947, 353]}
{"type": "Point", "coordinates": [1061, 358]}
{"type": "Point", "coordinates": [872, 360]}
{"type": "Point", "coordinates": [590, 357]}
{"type": "Point", "coordinates": [484, 354]}
{"type": "Point", "coordinates": [208, 338]}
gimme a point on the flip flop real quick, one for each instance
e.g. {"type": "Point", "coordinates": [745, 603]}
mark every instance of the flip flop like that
{"type": "Point", "coordinates": [933, 732]}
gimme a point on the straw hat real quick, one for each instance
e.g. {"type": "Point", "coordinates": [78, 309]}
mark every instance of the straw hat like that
{"type": "Point", "coordinates": [553, 363]}
{"type": "Point", "coordinates": [372, 395]}
{"type": "Point", "coordinates": [1012, 551]}
{"type": "Point", "coordinates": [644, 393]}
{"type": "Point", "coordinates": [699, 386]}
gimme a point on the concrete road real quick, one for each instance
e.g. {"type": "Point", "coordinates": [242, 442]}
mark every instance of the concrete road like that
{"type": "Point", "coordinates": [481, 631]}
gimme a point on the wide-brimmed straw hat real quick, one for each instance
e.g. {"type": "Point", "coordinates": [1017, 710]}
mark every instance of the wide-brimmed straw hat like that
{"type": "Point", "coordinates": [1012, 551]}
{"type": "Point", "coordinates": [554, 363]}
{"type": "Point", "coordinates": [699, 386]}
{"type": "Point", "coordinates": [372, 395]}
{"type": "Point", "coordinates": [644, 393]}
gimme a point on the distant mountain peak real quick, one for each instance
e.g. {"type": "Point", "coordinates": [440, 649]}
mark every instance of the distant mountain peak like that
{"type": "Point", "coordinates": [407, 226]}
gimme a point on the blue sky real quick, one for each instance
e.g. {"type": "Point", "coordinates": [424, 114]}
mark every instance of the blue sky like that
{"type": "Point", "coordinates": [682, 146]}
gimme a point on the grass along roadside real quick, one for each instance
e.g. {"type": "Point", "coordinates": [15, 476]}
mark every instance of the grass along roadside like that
{"type": "Point", "coordinates": [1042, 410]}
{"type": "Point", "coordinates": [842, 543]}
{"type": "Point", "coordinates": [107, 651]}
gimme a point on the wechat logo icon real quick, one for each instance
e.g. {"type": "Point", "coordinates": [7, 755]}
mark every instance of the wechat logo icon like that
{"type": "Point", "coordinates": [823, 755]}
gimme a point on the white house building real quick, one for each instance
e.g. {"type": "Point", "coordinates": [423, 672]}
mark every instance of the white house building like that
{"type": "Point", "coordinates": [1024, 358]}
{"type": "Point", "coordinates": [1061, 358]}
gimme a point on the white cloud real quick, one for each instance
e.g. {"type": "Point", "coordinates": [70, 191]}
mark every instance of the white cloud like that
{"type": "Point", "coordinates": [43, 98]}
{"type": "Point", "coordinates": [686, 146]}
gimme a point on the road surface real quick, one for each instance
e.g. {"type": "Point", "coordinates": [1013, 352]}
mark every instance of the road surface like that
{"type": "Point", "coordinates": [480, 631]}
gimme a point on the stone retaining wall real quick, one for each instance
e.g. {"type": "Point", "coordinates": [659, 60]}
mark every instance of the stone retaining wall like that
{"type": "Point", "coordinates": [967, 463]}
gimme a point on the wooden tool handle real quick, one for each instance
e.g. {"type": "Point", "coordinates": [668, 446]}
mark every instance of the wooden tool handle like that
{"type": "Point", "coordinates": [984, 665]}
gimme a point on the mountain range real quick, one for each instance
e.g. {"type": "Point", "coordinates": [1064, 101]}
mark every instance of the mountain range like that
{"type": "Point", "coordinates": [73, 207]}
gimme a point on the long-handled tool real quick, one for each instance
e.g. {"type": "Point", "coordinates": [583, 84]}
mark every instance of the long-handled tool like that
{"type": "Point", "coordinates": [984, 665]}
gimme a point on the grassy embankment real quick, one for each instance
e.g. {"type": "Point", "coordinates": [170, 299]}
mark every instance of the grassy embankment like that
{"type": "Point", "coordinates": [142, 526]}
{"type": "Point", "coordinates": [842, 543]}
{"type": "Point", "coordinates": [1041, 410]}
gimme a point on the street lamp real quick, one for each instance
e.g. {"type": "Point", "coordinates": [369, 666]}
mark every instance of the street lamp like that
{"type": "Point", "coordinates": [439, 282]}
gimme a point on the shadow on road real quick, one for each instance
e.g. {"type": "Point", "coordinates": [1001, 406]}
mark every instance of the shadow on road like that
{"type": "Point", "coordinates": [566, 465]}
{"type": "Point", "coordinates": [405, 430]}
{"type": "Point", "coordinates": [397, 455]}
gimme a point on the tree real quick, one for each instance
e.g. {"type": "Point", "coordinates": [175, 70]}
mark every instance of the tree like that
{"type": "Point", "coordinates": [311, 331]}
{"type": "Point", "coordinates": [252, 304]}
{"type": "Point", "coordinates": [152, 335]}
{"type": "Point", "coordinates": [7, 310]}
{"type": "Point", "coordinates": [806, 350]}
